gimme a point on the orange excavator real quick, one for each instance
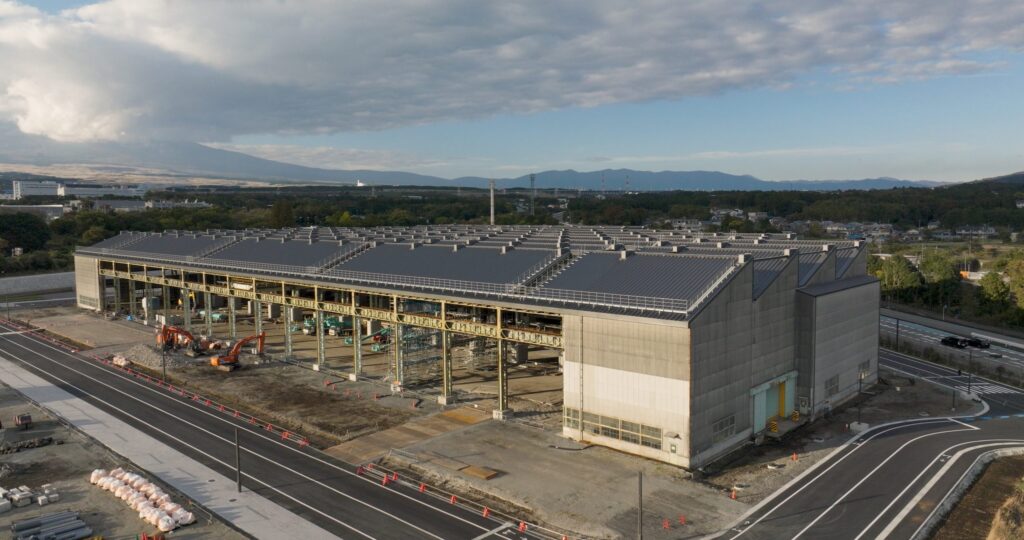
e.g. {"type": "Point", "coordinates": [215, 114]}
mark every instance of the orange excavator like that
{"type": "Point", "coordinates": [229, 361]}
{"type": "Point", "coordinates": [172, 337]}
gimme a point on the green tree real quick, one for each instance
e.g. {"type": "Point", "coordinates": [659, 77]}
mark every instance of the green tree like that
{"type": "Point", "coordinates": [26, 231]}
{"type": "Point", "coordinates": [93, 234]}
{"type": "Point", "coordinates": [994, 292]}
{"type": "Point", "coordinates": [1015, 274]}
{"type": "Point", "coordinates": [282, 214]}
{"type": "Point", "coordinates": [899, 280]}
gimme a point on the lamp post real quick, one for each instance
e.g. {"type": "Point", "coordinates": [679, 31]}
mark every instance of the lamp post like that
{"type": "Point", "coordinates": [860, 389]}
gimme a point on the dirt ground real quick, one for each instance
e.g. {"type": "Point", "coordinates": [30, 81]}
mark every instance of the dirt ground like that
{"type": "Point", "coordinates": [758, 471]}
{"type": "Point", "coordinates": [972, 518]}
{"type": "Point", "coordinates": [67, 463]}
{"type": "Point", "coordinates": [588, 489]}
{"type": "Point", "coordinates": [324, 405]}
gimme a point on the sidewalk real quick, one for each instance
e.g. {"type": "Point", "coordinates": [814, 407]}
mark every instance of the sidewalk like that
{"type": "Point", "coordinates": [249, 512]}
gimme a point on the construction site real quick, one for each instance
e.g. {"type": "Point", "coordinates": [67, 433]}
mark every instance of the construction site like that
{"type": "Point", "coordinates": [674, 345]}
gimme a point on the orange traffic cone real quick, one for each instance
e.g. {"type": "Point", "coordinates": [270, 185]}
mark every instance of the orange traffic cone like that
{"type": "Point", "coordinates": [487, 512]}
{"type": "Point", "coordinates": [682, 519]}
{"type": "Point", "coordinates": [522, 526]}
{"type": "Point", "coordinates": [665, 525]}
{"type": "Point", "coordinates": [732, 494]}
{"type": "Point", "coordinates": [453, 499]}
{"type": "Point", "coordinates": [794, 456]}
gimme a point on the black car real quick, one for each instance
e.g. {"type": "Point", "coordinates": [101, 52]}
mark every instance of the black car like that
{"type": "Point", "coordinates": [953, 341]}
{"type": "Point", "coordinates": [978, 342]}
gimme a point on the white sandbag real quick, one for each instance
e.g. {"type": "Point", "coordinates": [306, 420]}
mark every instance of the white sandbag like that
{"type": "Point", "coordinates": [137, 503]}
{"type": "Point", "coordinates": [146, 512]}
{"type": "Point", "coordinates": [120, 490]}
{"type": "Point", "coordinates": [148, 488]}
{"type": "Point", "coordinates": [102, 482]}
{"type": "Point", "coordinates": [113, 485]}
{"type": "Point", "coordinates": [96, 475]}
{"type": "Point", "coordinates": [117, 471]}
{"type": "Point", "coordinates": [155, 517]}
{"type": "Point", "coordinates": [138, 482]}
{"type": "Point", "coordinates": [128, 494]}
{"type": "Point", "coordinates": [166, 524]}
{"type": "Point", "coordinates": [163, 499]}
{"type": "Point", "coordinates": [170, 507]}
{"type": "Point", "coordinates": [184, 517]}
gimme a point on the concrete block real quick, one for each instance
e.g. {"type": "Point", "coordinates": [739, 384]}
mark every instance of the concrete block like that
{"type": "Point", "coordinates": [43, 500]}
{"type": "Point", "coordinates": [859, 427]}
{"type": "Point", "coordinates": [353, 377]}
{"type": "Point", "coordinates": [441, 400]}
{"type": "Point", "coordinates": [501, 414]}
{"type": "Point", "coordinates": [5, 505]}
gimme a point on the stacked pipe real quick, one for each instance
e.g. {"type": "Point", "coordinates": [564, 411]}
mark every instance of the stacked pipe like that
{"type": "Point", "coordinates": [64, 525]}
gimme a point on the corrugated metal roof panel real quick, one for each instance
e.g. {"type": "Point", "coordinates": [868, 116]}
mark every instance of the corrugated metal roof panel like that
{"type": "Point", "coordinates": [471, 263]}
{"type": "Point", "coordinates": [765, 272]}
{"type": "Point", "coordinates": [844, 258]}
{"type": "Point", "coordinates": [675, 276]}
{"type": "Point", "coordinates": [182, 245]}
{"type": "Point", "coordinates": [291, 252]}
{"type": "Point", "coordinates": [809, 264]}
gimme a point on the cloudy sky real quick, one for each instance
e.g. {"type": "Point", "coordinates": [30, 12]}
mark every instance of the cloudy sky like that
{"type": "Point", "coordinates": [788, 89]}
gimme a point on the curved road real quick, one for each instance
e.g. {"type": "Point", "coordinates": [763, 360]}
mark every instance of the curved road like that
{"type": "Point", "coordinates": [888, 481]}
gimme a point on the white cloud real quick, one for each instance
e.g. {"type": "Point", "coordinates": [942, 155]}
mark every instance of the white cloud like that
{"type": "Point", "coordinates": [212, 69]}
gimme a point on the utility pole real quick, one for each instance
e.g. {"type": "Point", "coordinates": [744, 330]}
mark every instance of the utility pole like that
{"type": "Point", "coordinates": [639, 504]}
{"type": "Point", "coordinates": [492, 203]}
{"type": "Point", "coordinates": [238, 463]}
{"type": "Point", "coordinates": [533, 192]}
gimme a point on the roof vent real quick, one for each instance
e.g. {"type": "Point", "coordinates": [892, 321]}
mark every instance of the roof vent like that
{"type": "Point", "coordinates": [758, 241]}
{"type": "Point", "coordinates": [506, 249]}
{"type": "Point", "coordinates": [455, 247]}
{"type": "Point", "coordinates": [791, 252]}
{"type": "Point", "coordinates": [624, 254]}
{"type": "Point", "coordinates": [722, 245]}
{"type": "Point", "coordinates": [743, 258]}
{"type": "Point", "coordinates": [412, 245]}
{"type": "Point", "coordinates": [678, 249]}
{"type": "Point", "coordinates": [856, 243]}
{"type": "Point", "coordinates": [826, 247]}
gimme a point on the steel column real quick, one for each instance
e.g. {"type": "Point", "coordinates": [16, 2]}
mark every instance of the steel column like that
{"type": "Point", "coordinates": [446, 366]}
{"type": "Point", "coordinates": [131, 298]}
{"type": "Point", "coordinates": [397, 344]}
{"type": "Point", "coordinates": [357, 345]}
{"type": "Point", "coordinates": [287, 329]}
{"type": "Point", "coordinates": [207, 302]}
{"type": "Point", "coordinates": [186, 304]}
{"type": "Point", "coordinates": [232, 327]}
{"type": "Point", "coordinates": [320, 346]}
{"type": "Point", "coordinates": [147, 302]}
{"type": "Point", "coordinates": [117, 296]}
{"type": "Point", "coordinates": [166, 303]}
{"type": "Point", "coordinates": [502, 378]}
{"type": "Point", "coordinates": [257, 310]}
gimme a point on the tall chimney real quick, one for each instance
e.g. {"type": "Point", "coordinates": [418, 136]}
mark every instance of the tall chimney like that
{"type": "Point", "coordinates": [492, 202]}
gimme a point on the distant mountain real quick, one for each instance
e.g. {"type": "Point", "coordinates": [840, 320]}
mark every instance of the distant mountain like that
{"type": "Point", "coordinates": [184, 158]}
{"type": "Point", "coordinates": [632, 180]}
{"type": "Point", "coordinates": [1015, 178]}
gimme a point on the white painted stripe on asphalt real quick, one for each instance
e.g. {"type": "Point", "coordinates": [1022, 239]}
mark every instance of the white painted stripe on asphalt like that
{"type": "Point", "coordinates": [165, 434]}
{"type": "Point", "coordinates": [492, 532]}
{"type": "Point", "coordinates": [918, 477]}
{"type": "Point", "coordinates": [931, 483]}
{"type": "Point", "coordinates": [964, 425]}
{"type": "Point", "coordinates": [214, 435]}
{"type": "Point", "coordinates": [909, 361]}
{"type": "Point", "coordinates": [246, 427]}
{"type": "Point", "coordinates": [869, 474]}
{"type": "Point", "coordinates": [855, 446]}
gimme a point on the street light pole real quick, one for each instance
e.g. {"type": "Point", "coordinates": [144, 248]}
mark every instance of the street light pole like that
{"type": "Point", "coordinates": [860, 389]}
{"type": "Point", "coordinates": [238, 463]}
{"type": "Point", "coordinates": [640, 506]}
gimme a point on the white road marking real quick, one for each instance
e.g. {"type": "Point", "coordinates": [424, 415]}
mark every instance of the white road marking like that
{"type": "Point", "coordinates": [137, 419]}
{"type": "Point", "coordinates": [492, 532]}
{"type": "Point", "coordinates": [918, 477]}
{"type": "Point", "coordinates": [214, 435]}
{"type": "Point", "coordinates": [857, 445]}
{"type": "Point", "coordinates": [963, 424]}
{"type": "Point", "coordinates": [868, 475]}
{"type": "Point", "coordinates": [246, 427]}
{"type": "Point", "coordinates": [931, 483]}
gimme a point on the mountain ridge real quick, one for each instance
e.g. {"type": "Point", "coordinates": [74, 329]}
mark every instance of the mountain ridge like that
{"type": "Point", "coordinates": [189, 158]}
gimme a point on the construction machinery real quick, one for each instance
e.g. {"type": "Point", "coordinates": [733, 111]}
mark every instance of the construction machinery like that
{"type": "Point", "coordinates": [229, 361]}
{"type": "Point", "coordinates": [334, 326]}
{"type": "Point", "coordinates": [172, 337]}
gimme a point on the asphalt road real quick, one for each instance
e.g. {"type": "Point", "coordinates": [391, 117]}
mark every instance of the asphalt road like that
{"type": "Point", "coordinates": [887, 482]}
{"type": "Point", "coordinates": [317, 487]}
{"type": "Point", "coordinates": [930, 332]}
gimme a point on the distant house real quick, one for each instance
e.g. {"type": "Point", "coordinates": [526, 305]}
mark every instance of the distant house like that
{"type": "Point", "coordinates": [49, 212]}
{"type": "Point", "coordinates": [981, 231]}
{"type": "Point", "coordinates": [757, 216]}
{"type": "Point", "coordinates": [1020, 203]}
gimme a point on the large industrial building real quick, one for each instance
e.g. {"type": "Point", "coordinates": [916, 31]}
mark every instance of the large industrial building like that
{"type": "Point", "coordinates": [676, 345]}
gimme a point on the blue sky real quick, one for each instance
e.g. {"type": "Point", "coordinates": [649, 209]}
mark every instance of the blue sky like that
{"type": "Point", "coordinates": [916, 89]}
